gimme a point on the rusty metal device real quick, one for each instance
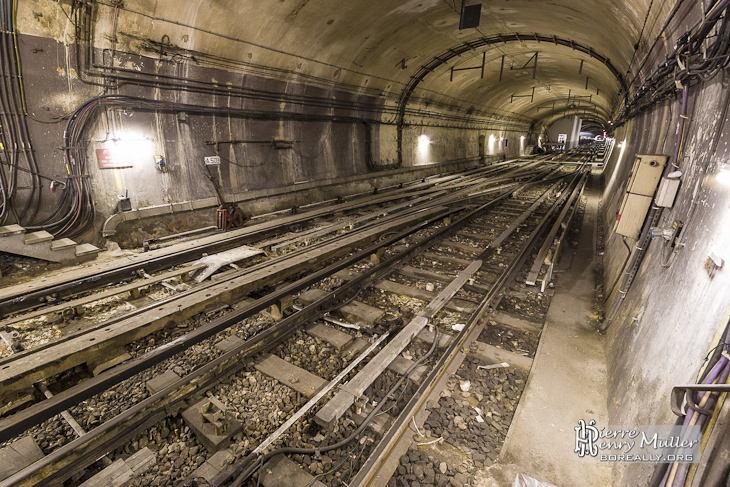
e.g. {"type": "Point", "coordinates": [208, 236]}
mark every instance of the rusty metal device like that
{"type": "Point", "coordinates": [229, 215]}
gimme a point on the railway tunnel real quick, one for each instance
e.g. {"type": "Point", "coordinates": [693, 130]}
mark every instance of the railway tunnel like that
{"type": "Point", "coordinates": [384, 243]}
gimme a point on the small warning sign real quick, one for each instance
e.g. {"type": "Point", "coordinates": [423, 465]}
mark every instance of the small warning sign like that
{"type": "Point", "coordinates": [111, 159]}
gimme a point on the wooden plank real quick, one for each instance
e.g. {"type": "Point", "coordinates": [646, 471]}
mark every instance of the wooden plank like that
{"type": "Point", "coordinates": [512, 321]}
{"type": "Point", "coordinates": [333, 336]}
{"type": "Point", "coordinates": [451, 259]}
{"type": "Point", "coordinates": [416, 273]}
{"type": "Point", "coordinates": [102, 295]}
{"type": "Point", "coordinates": [379, 424]}
{"type": "Point", "coordinates": [13, 229]}
{"type": "Point", "coordinates": [493, 355]}
{"type": "Point", "coordinates": [345, 398]}
{"type": "Point", "coordinates": [18, 455]}
{"type": "Point", "coordinates": [31, 368]}
{"type": "Point", "coordinates": [427, 335]}
{"type": "Point", "coordinates": [113, 362]}
{"type": "Point", "coordinates": [486, 227]}
{"type": "Point", "coordinates": [413, 292]}
{"type": "Point", "coordinates": [290, 375]}
{"type": "Point", "coordinates": [282, 472]}
{"type": "Point", "coordinates": [461, 246]}
{"type": "Point", "coordinates": [401, 365]}
{"type": "Point", "coordinates": [475, 236]}
{"type": "Point", "coordinates": [531, 279]}
{"type": "Point", "coordinates": [284, 242]}
{"type": "Point", "coordinates": [252, 229]}
{"type": "Point", "coordinates": [356, 311]}
{"type": "Point", "coordinates": [122, 472]}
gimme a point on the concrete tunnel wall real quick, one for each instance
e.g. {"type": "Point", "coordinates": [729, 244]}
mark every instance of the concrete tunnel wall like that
{"type": "Point", "coordinates": [320, 151]}
{"type": "Point", "coordinates": [677, 305]}
{"type": "Point", "coordinates": [671, 315]}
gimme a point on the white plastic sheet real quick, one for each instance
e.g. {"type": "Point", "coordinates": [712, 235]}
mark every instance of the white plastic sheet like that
{"type": "Point", "coordinates": [522, 480]}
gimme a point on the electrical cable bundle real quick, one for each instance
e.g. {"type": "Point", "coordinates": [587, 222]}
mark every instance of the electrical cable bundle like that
{"type": "Point", "coordinates": [16, 151]}
{"type": "Point", "coordinates": [690, 59]}
{"type": "Point", "coordinates": [74, 212]}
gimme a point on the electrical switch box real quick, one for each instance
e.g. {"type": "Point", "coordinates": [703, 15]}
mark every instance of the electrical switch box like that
{"type": "Point", "coordinates": [667, 192]}
{"type": "Point", "coordinates": [633, 212]}
{"type": "Point", "coordinates": [645, 175]}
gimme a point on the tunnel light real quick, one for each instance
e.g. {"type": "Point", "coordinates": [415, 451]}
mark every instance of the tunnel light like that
{"type": "Point", "coordinates": [423, 143]}
{"type": "Point", "coordinates": [423, 155]}
{"type": "Point", "coordinates": [134, 147]}
{"type": "Point", "coordinates": [622, 145]}
{"type": "Point", "coordinates": [124, 150]}
{"type": "Point", "coordinates": [492, 141]}
{"type": "Point", "coordinates": [723, 175]}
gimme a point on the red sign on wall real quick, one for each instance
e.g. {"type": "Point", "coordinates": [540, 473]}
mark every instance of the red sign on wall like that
{"type": "Point", "coordinates": [110, 159]}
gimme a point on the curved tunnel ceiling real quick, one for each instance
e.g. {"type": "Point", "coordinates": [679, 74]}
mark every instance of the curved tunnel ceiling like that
{"type": "Point", "coordinates": [378, 47]}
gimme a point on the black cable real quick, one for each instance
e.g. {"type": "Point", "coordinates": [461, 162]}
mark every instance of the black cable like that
{"type": "Point", "coordinates": [620, 273]}
{"type": "Point", "coordinates": [680, 65]}
{"type": "Point", "coordinates": [313, 451]}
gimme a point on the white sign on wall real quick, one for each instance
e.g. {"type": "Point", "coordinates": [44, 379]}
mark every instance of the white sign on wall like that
{"type": "Point", "coordinates": [562, 138]}
{"type": "Point", "coordinates": [213, 161]}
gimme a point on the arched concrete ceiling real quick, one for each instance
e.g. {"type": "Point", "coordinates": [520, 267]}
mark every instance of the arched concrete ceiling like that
{"type": "Point", "coordinates": [378, 46]}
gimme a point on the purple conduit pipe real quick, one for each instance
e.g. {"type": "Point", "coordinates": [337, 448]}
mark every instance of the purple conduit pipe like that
{"type": "Point", "coordinates": [722, 370]}
{"type": "Point", "coordinates": [683, 469]}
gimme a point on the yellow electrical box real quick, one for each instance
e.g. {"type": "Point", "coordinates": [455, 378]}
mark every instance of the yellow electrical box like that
{"type": "Point", "coordinates": [643, 181]}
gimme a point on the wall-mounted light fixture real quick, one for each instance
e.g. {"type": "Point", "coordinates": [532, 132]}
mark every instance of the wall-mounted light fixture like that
{"type": "Point", "coordinates": [423, 153]}
{"type": "Point", "coordinates": [124, 151]}
{"type": "Point", "coordinates": [723, 174]}
{"type": "Point", "coordinates": [423, 143]}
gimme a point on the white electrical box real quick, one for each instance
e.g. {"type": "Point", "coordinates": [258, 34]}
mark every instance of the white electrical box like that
{"type": "Point", "coordinates": [645, 175]}
{"type": "Point", "coordinates": [633, 212]}
{"type": "Point", "coordinates": [666, 193]}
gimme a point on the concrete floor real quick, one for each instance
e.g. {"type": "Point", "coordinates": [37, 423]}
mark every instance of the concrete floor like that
{"type": "Point", "coordinates": [567, 382]}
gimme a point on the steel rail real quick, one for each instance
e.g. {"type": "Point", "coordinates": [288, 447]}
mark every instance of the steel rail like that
{"type": "Point", "coordinates": [20, 298]}
{"type": "Point", "coordinates": [122, 423]}
{"type": "Point", "coordinates": [200, 290]}
{"type": "Point", "coordinates": [47, 409]}
{"type": "Point", "coordinates": [373, 469]}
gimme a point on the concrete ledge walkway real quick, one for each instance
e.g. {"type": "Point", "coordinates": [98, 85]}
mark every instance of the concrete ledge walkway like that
{"type": "Point", "coordinates": [567, 383]}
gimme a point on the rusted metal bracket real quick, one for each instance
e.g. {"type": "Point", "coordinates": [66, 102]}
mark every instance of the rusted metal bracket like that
{"type": "Point", "coordinates": [680, 393]}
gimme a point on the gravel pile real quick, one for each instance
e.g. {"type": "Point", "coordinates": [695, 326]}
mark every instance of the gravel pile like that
{"type": "Point", "coordinates": [509, 339]}
{"type": "Point", "coordinates": [313, 355]}
{"type": "Point", "coordinates": [465, 429]}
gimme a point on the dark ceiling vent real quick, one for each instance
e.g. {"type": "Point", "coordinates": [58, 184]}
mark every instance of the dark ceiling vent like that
{"type": "Point", "coordinates": [470, 16]}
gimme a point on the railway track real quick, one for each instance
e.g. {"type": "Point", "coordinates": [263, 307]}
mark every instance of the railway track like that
{"type": "Point", "coordinates": [374, 303]}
